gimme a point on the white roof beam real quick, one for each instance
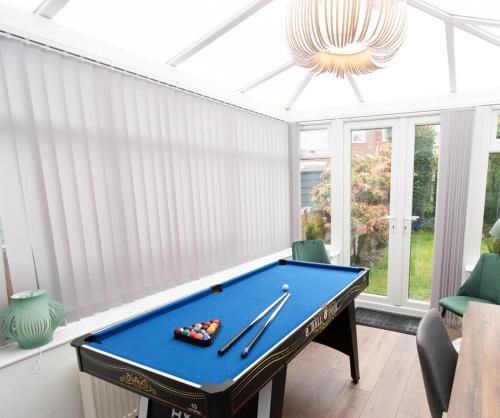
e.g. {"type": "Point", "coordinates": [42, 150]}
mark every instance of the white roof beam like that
{"type": "Point", "coordinates": [271, 74]}
{"type": "Point", "coordinates": [479, 33]}
{"type": "Point", "coordinates": [298, 91]}
{"type": "Point", "coordinates": [354, 87]}
{"type": "Point", "coordinates": [476, 20]}
{"type": "Point", "coordinates": [447, 17]}
{"type": "Point", "coordinates": [217, 32]}
{"type": "Point", "coordinates": [49, 8]}
{"type": "Point", "coordinates": [450, 46]}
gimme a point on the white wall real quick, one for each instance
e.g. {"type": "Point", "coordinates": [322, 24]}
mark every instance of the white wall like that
{"type": "Point", "coordinates": [49, 391]}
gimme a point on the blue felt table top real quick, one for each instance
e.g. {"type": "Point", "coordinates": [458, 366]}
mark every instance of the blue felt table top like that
{"type": "Point", "coordinates": [148, 339]}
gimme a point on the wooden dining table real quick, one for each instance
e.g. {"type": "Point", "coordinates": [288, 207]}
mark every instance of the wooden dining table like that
{"type": "Point", "coordinates": [476, 387]}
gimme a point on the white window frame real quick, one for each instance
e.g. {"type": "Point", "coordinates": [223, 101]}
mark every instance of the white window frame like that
{"type": "Point", "coordinates": [395, 124]}
{"type": "Point", "coordinates": [317, 155]}
{"type": "Point", "coordinates": [412, 123]}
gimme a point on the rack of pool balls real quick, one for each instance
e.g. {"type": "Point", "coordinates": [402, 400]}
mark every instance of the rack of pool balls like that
{"type": "Point", "coordinates": [202, 334]}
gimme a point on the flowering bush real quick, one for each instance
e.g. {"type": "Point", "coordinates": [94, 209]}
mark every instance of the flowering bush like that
{"type": "Point", "coordinates": [370, 184]}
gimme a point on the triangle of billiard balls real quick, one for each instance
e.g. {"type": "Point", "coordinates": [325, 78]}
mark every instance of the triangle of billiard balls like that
{"type": "Point", "coordinates": [201, 333]}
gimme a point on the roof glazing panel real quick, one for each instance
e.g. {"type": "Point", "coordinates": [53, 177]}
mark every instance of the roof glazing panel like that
{"type": "Point", "coordinates": [489, 9]}
{"type": "Point", "coordinates": [157, 29]}
{"type": "Point", "coordinates": [26, 5]}
{"type": "Point", "coordinates": [248, 51]}
{"type": "Point", "coordinates": [420, 68]}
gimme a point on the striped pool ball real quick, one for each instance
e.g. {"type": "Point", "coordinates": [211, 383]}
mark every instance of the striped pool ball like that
{"type": "Point", "coordinates": [197, 329]}
{"type": "Point", "coordinates": [198, 325]}
{"type": "Point", "coordinates": [206, 337]}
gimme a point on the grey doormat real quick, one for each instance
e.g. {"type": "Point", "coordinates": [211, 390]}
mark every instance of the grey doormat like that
{"type": "Point", "coordinates": [387, 320]}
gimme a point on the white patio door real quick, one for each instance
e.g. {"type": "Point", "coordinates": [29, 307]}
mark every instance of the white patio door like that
{"type": "Point", "coordinates": [381, 229]}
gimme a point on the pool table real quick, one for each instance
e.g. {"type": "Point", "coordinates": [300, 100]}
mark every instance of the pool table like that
{"type": "Point", "coordinates": [177, 379]}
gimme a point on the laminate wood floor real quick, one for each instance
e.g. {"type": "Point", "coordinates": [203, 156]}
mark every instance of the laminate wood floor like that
{"type": "Point", "coordinates": [319, 385]}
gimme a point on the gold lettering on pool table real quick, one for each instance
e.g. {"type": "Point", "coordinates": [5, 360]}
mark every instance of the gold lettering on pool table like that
{"type": "Point", "coordinates": [321, 320]}
{"type": "Point", "coordinates": [137, 382]}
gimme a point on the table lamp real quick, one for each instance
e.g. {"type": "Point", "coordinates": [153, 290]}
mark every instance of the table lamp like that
{"type": "Point", "coordinates": [495, 230]}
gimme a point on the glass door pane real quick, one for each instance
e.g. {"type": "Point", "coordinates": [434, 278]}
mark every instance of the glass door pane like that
{"type": "Point", "coordinates": [491, 203]}
{"type": "Point", "coordinates": [371, 151]}
{"type": "Point", "coordinates": [315, 192]}
{"type": "Point", "coordinates": [425, 172]}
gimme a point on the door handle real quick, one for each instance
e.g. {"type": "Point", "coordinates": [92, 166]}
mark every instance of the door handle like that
{"type": "Point", "coordinates": [407, 224]}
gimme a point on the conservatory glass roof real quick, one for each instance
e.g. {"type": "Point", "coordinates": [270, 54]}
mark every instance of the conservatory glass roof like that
{"type": "Point", "coordinates": [451, 46]}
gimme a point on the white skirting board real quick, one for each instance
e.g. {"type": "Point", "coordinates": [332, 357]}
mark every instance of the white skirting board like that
{"type": "Point", "coordinates": [105, 400]}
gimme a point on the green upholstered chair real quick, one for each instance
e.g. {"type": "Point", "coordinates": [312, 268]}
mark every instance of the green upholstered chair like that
{"type": "Point", "coordinates": [310, 250]}
{"type": "Point", "coordinates": [483, 285]}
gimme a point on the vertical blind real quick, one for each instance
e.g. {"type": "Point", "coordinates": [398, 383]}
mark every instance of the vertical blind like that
{"type": "Point", "coordinates": [456, 139]}
{"type": "Point", "coordinates": [113, 186]}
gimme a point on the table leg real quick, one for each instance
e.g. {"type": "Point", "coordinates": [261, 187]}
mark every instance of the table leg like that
{"type": "Point", "coordinates": [268, 403]}
{"type": "Point", "coordinates": [341, 335]}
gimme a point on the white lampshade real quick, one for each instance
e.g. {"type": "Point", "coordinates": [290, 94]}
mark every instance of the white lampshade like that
{"type": "Point", "coordinates": [495, 231]}
{"type": "Point", "coordinates": [345, 36]}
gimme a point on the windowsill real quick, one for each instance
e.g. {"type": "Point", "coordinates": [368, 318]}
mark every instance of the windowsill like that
{"type": "Point", "coordinates": [469, 267]}
{"type": "Point", "coordinates": [11, 353]}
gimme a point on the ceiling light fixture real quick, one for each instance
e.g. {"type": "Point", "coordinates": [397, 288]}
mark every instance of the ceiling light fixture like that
{"type": "Point", "coordinates": [345, 36]}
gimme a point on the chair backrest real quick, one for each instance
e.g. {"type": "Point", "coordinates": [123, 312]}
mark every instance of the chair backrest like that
{"type": "Point", "coordinates": [310, 250]}
{"type": "Point", "coordinates": [438, 361]}
{"type": "Point", "coordinates": [484, 281]}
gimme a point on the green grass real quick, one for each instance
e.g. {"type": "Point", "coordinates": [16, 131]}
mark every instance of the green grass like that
{"type": "Point", "coordinates": [422, 248]}
{"type": "Point", "coordinates": [422, 252]}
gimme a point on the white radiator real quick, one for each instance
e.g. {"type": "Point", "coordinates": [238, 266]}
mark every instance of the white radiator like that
{"type": "Point", "coordinates": [104, 400]}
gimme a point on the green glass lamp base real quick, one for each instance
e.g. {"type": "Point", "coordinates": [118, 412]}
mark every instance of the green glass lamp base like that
{"type": "Point", "coordinates": [31, 318]}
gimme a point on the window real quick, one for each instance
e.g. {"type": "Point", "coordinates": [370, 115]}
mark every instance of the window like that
{"type": "Point", "coordinates": [358, 137]}
{"type": "Point", "coordinates": [314, 140]}
{"type": "Point", "coordinates": [370, 204]}
{"type": "Point", "coordinates": [425, 175]}
{"type": "Point", "coordinates": [498, 127]}
{"type": "Point", "coordinates": [315, 213]}
{"type": "Point", "coordinates": [315, 185]}
{"type": "Point", "coordinates": [492, 200]}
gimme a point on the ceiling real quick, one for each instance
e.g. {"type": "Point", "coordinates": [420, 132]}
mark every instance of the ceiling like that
{"type": "Point", "coordinates": [451, 46]}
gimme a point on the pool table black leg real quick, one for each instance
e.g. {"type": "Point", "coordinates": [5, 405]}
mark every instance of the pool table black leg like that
{"type": "Point", "coordinates": [341, 335]}
{"type": "Point", "coordinates": [272, 403]}
{"type": "Point", "coordinates": [278, 393]}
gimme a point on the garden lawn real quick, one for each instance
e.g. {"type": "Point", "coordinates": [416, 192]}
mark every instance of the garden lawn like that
{"type": "Point", "coordinates": [422, 252]}
{"type": "Point", "coordinates": [422, 249]}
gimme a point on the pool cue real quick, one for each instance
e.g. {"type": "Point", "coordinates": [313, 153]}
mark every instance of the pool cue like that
{"type": "Point", "coordinates": [228, 345]}
{"type": "Point", "coordinates": [268, 322]}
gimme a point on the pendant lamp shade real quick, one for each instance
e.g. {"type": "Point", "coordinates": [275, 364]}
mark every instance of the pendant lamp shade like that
{"type": "Point", "coordinates": [339, 36]}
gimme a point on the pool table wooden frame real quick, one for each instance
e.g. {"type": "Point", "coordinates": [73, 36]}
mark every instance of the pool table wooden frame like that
{"type": "Point", "coordinates": [333, 325]}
